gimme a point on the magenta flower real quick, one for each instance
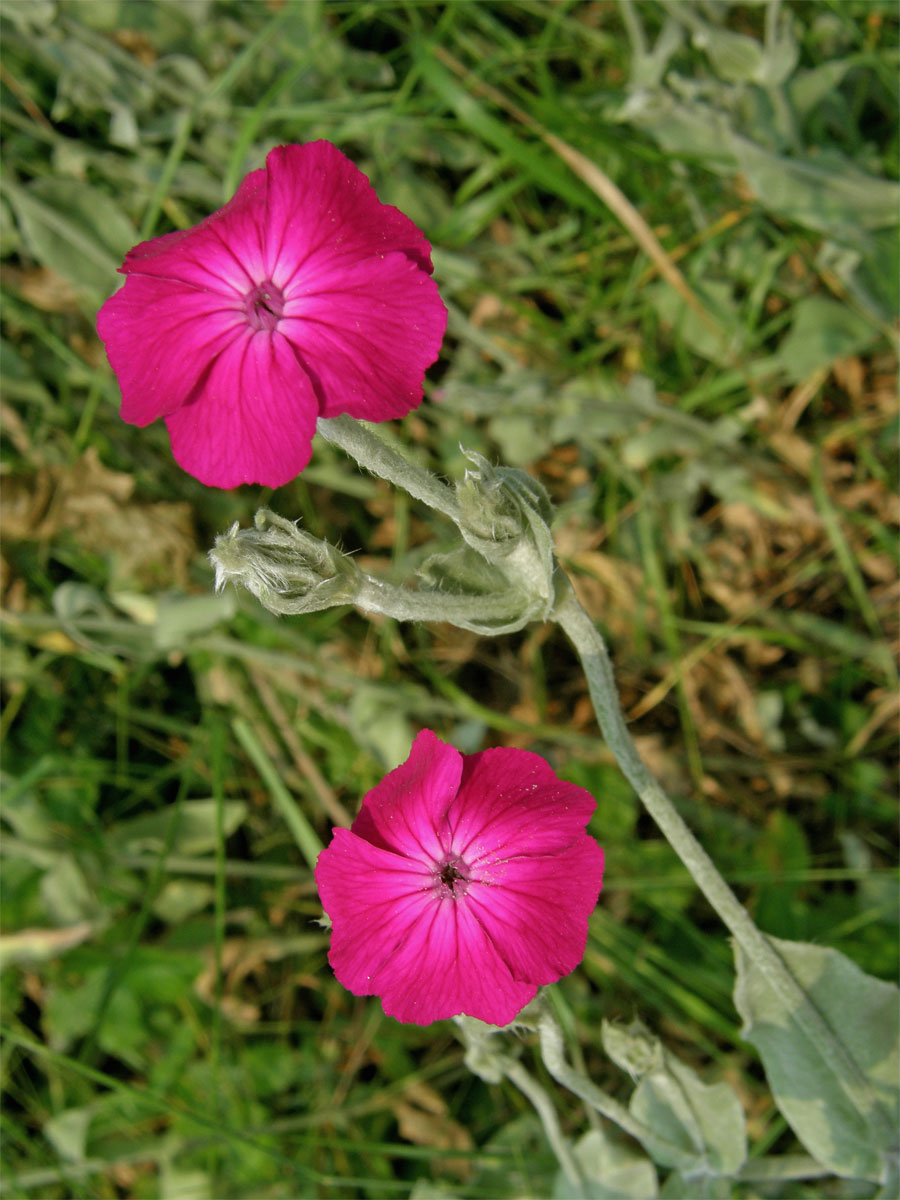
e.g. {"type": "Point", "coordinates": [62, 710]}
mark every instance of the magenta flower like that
{"type": "Point", "coordinates": [304, 296]}
{"type": "Point", "coordinates": [464, 884]}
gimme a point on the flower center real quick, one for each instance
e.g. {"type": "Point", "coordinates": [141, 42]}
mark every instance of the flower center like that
{"type": "Point", "coordinates": [451, 878]}
{"type": "Point", "coordinates": [264, 306]}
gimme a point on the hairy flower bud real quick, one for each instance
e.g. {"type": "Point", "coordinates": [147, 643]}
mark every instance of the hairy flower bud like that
{"type": "Point", "coordinates": [498, 581]}
{"type": "Point", "coordinates": [504, 517]}
{"type": "Point", "coordinates": [633, 1048]}
{"type": "Point", "coordinates": [498, 505]}
{"type": "Point", "coordinates": [287, 569]}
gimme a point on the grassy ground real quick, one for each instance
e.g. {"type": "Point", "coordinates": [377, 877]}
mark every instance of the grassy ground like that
{"type": "Point", "coordinates": [721, 448]}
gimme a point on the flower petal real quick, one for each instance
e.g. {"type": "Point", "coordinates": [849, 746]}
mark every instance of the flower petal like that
{"type": "Point", "coordinates": [406, 812]}
{"type": "Point", "coordinates": [223, 253]}
{"type": "Point", "coordinates": [160, 337]}
{"type": "Point", "coordinates": [371, 895]}
{"type": "Point", "coordinates": [365, 332]}
{"type": "Point", "coordinates": [319, 204]}
{"type": "Point", "coordinates": [251, 418]}
{"type": "Point", "coordinates": [511, 803]}
{"type": "Point", "coordinates": [535, 910]}
{"type": "Point", "coordinates": [449, 965]}
{"type": "Point", "coordinates": [304, 250]}
{"type": "Point", "coordinates": [393, 936]}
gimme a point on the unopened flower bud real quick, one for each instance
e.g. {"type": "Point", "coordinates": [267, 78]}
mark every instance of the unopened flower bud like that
{"type": "Point", "coordinates": [505, 516]}
{"type": "Point", "coordinates": [287, 569]}
{"type": "Point", "coordinates": [632, 1047]}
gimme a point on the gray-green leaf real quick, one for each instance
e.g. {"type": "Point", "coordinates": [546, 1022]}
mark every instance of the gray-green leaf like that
{"type": "Point", "coordinates": [67, 1132]}
{"type": "Point", "coordinates": [847, 1130]}
{"type": "Point", "coordinates": [706, 1119]}
{"type": "Point", "coordinates": [75, 230]}
{"type": "Point", "coordinates": [690, 1125]}
{"type": "Point", "coordinates": [195, 830]}
{"type": "Point", "coordinates": [822, 330]}
{"type": "Point", "coordinates": [611, 1171]}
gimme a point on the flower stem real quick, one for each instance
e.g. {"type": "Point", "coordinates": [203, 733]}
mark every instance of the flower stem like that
{"type": "Point", "coordinates": [591, 649]}
{"type": "Point", "coordinates": [543, 1105]}
{"type": "Point", "coordinates": [405, 604]}
{"type": "Point", "coordinates": [375, 455]}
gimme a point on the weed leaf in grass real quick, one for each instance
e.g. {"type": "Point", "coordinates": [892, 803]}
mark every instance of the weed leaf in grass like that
{"type": "Point", "coordinates": [821, 332]}
{"type": "Point", "coordinates": [67, 1132]}
{"type": "Point", "coordinates": [838, 1125]}
{"type": "Point", "coordinates": [195, 828]}
{"type": "Point", "coordinates": [75, 230]}
{"type": "Point", "coordinates": [832, 196]}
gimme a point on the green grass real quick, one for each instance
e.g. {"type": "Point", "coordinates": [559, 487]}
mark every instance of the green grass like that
{"type": "Point", "coordinates": [724, 470]}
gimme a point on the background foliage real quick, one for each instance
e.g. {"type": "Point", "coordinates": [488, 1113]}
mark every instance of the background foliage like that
{"type": "Point", "coordinates": [722, 458]}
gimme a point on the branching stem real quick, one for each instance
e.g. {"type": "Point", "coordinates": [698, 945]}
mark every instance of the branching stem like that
{"type": "Point", "coordinates": [553, 1054]}
{"type": "Point", "coordinates": [543, 1105]}
{"type": "Point", "coordinates": [591, 649]}
{"type": "Point", "coordinates": [374, 454]}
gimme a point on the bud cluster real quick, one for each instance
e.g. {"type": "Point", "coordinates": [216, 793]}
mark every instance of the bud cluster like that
{"type": "Point", "coordinates": [498, 581]}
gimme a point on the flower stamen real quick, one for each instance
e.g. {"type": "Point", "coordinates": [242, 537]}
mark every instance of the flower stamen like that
{"type": "Point", "coordinates": [264, 306]}
{"type": "Point", "coordinates": [451, 878]}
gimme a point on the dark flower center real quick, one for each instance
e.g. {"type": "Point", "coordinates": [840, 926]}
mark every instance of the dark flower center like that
{"type": "Point", "coordinates": [451, 878]}
{"type": "Point", "coordinates": [264, 306]}
{"type": "Point", "coordinates": [449, 875]}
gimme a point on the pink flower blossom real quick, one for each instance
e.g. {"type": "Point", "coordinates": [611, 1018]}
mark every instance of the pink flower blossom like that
{"type": "Point", "coordinates": [464, 884]}
{"type": "Point", "coordinates": [304, 296]}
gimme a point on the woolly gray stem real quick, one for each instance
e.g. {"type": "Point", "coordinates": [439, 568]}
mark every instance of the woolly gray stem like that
{"type": "Point", "coordinates": [543, 1106]}
{"type": "Point", "coordinates": [375, 455]}
{"type": "Point", "coordinates": [591, 649]}
{"type": "Point", "coordinates": [404, 604]}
